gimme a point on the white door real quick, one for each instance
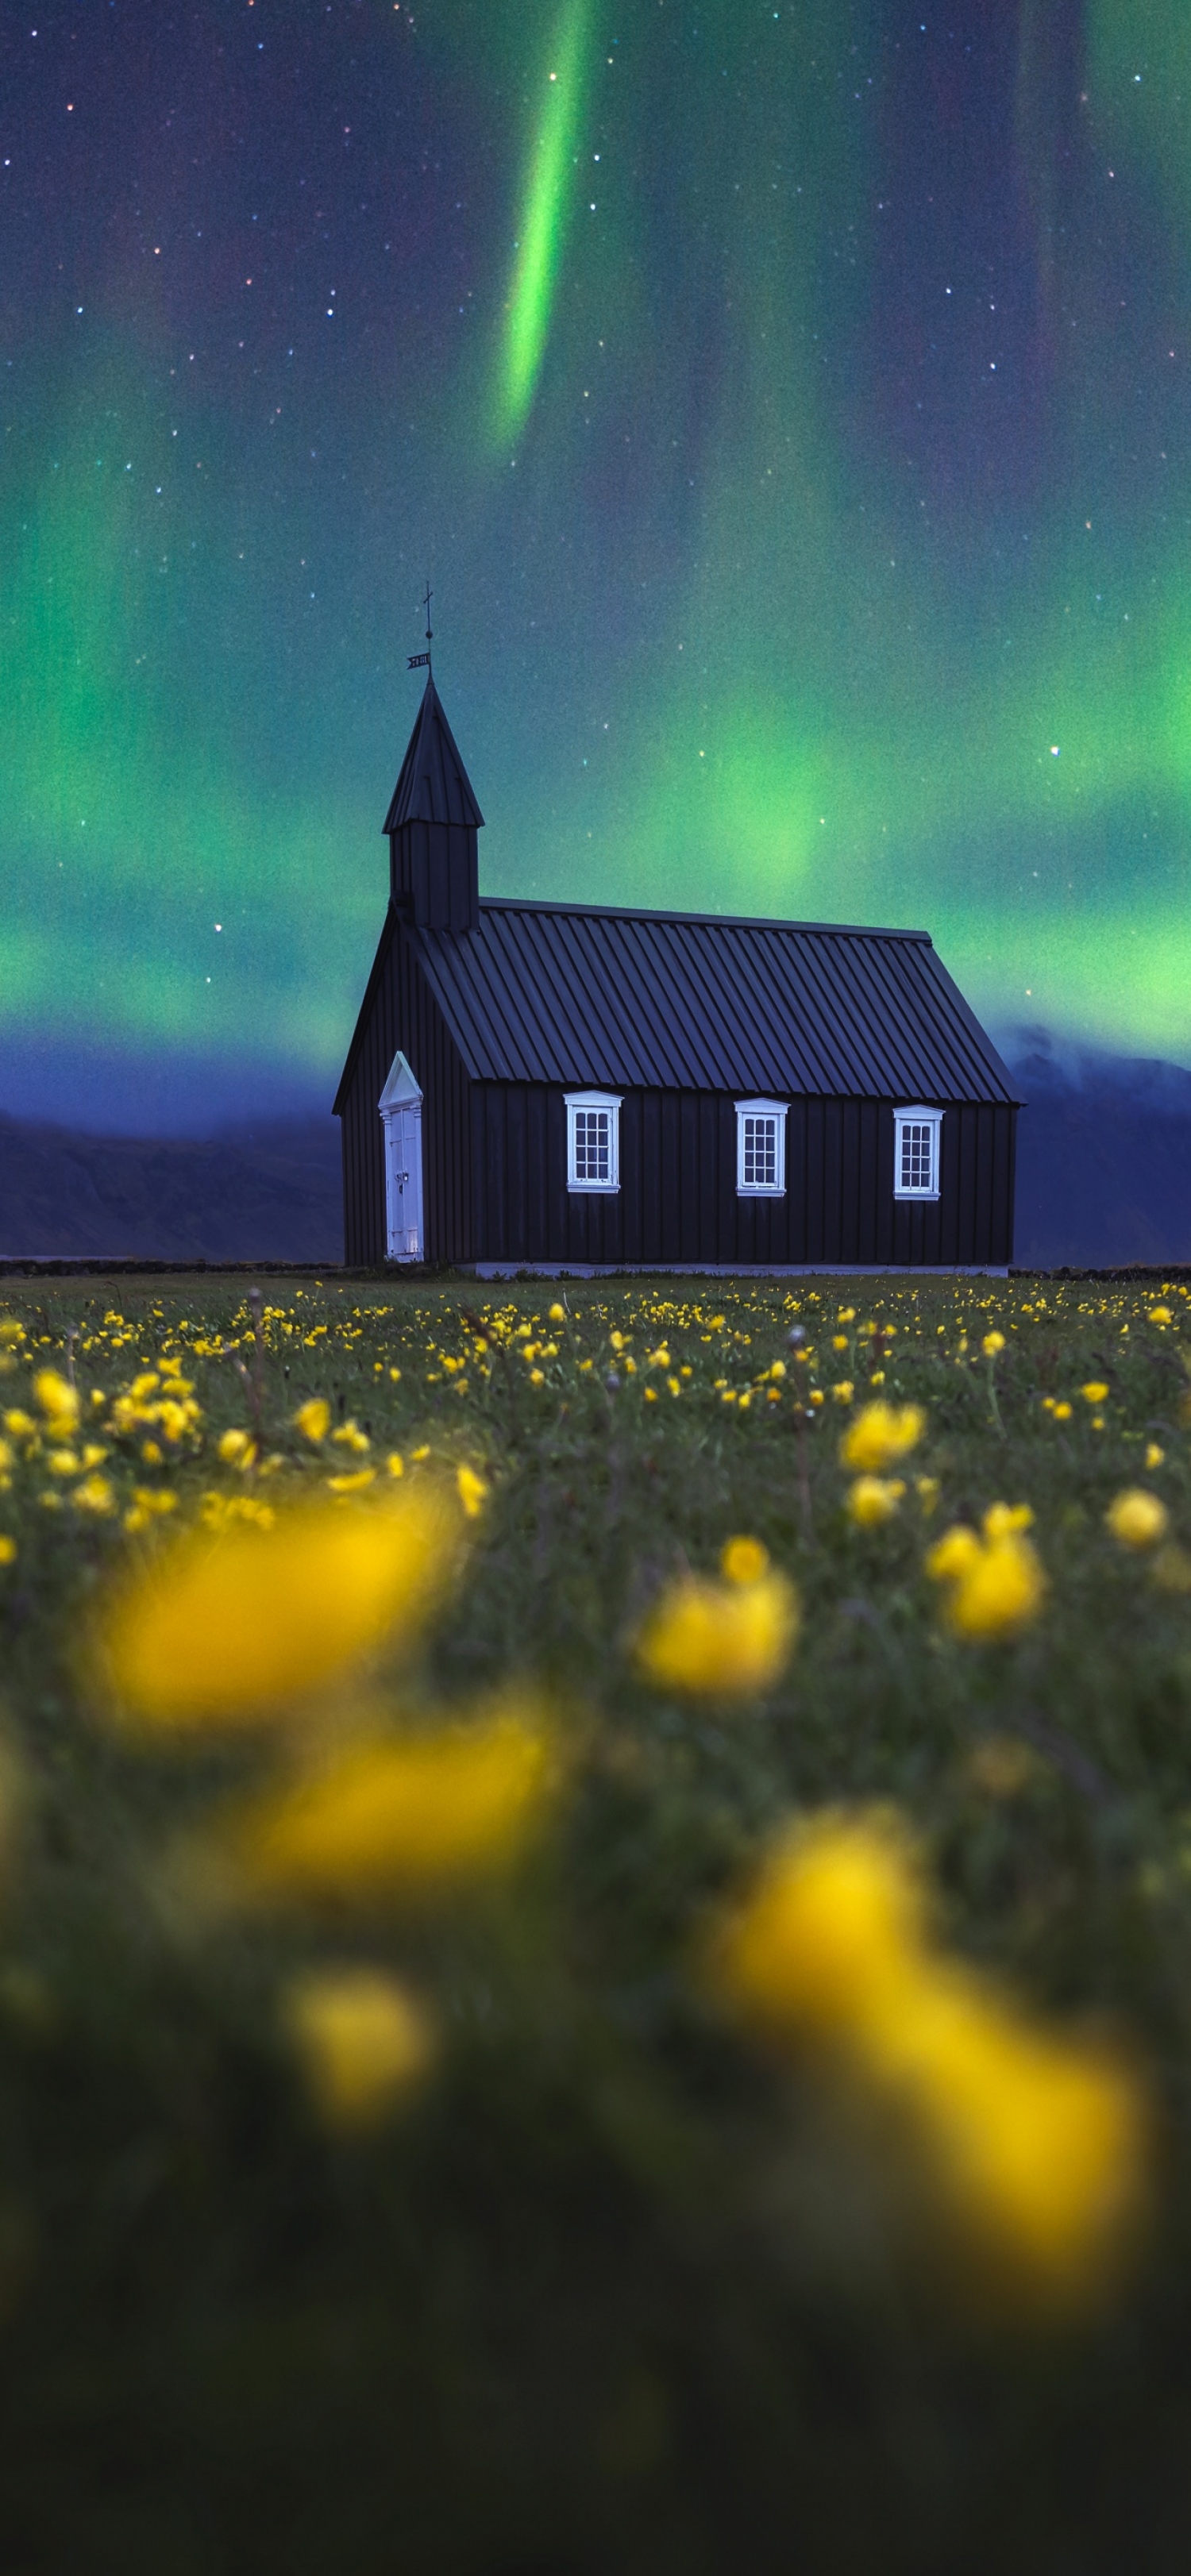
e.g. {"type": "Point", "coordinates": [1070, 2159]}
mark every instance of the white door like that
{"type": "Point", "coordinates": [401, 1115]}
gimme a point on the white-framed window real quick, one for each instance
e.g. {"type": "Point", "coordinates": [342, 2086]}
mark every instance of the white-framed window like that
{"type": "Point", "coordinates": [761, 1149]}
{"type": "Point", "coordinates": [916, 1153]}
{"type": "Point", "coordinates": [593, 1140]}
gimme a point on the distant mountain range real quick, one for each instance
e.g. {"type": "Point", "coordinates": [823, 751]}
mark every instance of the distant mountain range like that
{"type": "Point", "coordinates": [1103, 1156]}
{"type": "Point", "coordinates": [264, 1193]}
{"type": "Point", "coordinates": [1103, 1176]}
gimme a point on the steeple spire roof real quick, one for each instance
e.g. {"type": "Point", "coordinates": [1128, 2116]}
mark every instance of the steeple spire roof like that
{"type": "Point", "coordinates": [433, 786]}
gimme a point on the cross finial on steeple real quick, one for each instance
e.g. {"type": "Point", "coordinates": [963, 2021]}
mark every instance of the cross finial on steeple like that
{"type": "Point", "coordinates": [421, 661]}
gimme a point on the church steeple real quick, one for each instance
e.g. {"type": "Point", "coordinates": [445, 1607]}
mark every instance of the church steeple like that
{"type": "Point", "coordinates": [432, 823]}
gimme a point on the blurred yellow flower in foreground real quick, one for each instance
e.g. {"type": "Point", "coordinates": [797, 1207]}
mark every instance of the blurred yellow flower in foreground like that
{"type": "Point", "coordinates": [873, 1499]}
{"type": "Point", "coordinates": [313, 1419]}
{"type": "Point", "coordinates": [392, 1820]}
{"type": "Point", "coordinates": [727, 1639]}
{"type": "Point", "coordinates": [59, 1400]}
{"type": "Point", "coordinates": [237, 1448]}
{"type": "Point", "coordinates": [472, 1490]}
{"type": "Point", "coordinates": [880, 1434]}
{"type": "Point", "coordinates": [1029, 2150]}
{"type": "Point", "coordinates": [227, 1633]}
{"type": "Point", "coordinates": [1137, 1519]}
{"type": "Point", "coordinates": [744, 1560]}
{"type": "Point", "coordinates": [362, 2040]}
{"type": "Point", "coordinates": [997, 1584]}
{"type": "Point", "coordinates": [992, 1345]}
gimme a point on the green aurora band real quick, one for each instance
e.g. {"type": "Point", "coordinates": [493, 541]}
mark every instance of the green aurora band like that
{"type": "Point", "coordinates": [549, 206]}
{"type": "Point", "coordinates": [712, 630]}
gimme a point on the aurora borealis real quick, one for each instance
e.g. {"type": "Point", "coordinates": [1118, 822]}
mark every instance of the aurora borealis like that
{"type": "Point", "coordinates": [789, 405]}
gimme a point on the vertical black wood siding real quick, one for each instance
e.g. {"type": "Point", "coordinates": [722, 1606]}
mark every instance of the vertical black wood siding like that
{"type": "Point", "coordinates": [677, 1200]}
{"type": "Point", "coordinates": [404, 1014]}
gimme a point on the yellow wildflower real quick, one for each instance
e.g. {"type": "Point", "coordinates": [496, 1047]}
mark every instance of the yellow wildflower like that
{"type": "Point", "coordinates": [362, 2041]}
{"type": "Point", "coordinates": [96, 1495]}
{"type": "Point", "coordinates": [1095, 1391]}
{"type": "Point", "coordinates": [839, 1341]}
{"type": "Point", "coordinates": [395, 1821]}
{"type": "Point", "coordinates": [844, 1391]}
{"type": "Point", "coordinates": [1137, 1519]}
{"type": "Point", "coordinates": [557, 1315]}
{"type": "Point", "coordinates": [395, 1463]}
{"type": "Point", "coordinates": [997, 1583]}
{"type": "Point", "coordinates": [63, 1462]}
{"type": "Point", "coordinates": [473, 1491]}
{"type": "Point", "coordinates": [1160, 1315]}
{"type": "Point", "coordinates": [744, 1560]}
{"type": "Point", "coordinates": [352, 1483]}
{"type": "Point", "coordinates": [59, 1400]}
{"type": "Point", "coordinates": [11, 1332]}
{"type": "Point", "coordinates": [21, 1425]}
{"type": "Point", "coordinates": [873, 1499]}
{"type": "Point", "coordinates": [149, 1503]}
{"type": "Point", "coordinates": [927, 1490]}
{"type": "Point", "coordinates": [8, 1550]}
{"type": "Point", "coordinates": [1062, 1412]}
{"type": "Point", "coordinates": [313, 1419]}
{"type": "Point", "coordinates": [992, 1345]}
{"type": "Point", "coordinates": [233, 1634]}
{"type": "Point", "coordinates": [350, 1436]}
{"type": "Point", "coordinates": [729, 1639]}
{"type": "Point", "coordinates": [237, 1449]}
{"type": "Point", "coordinates": [1030, 2150]}
{"type": "Point", "coordinates": [833, 1915]}
{"type": "Point", "coordinates": [1155, 1456]}
{"type": "Point", "coordinates": [882, 1433]}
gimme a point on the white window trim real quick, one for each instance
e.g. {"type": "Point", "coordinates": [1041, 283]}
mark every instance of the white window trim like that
{"type": "Point", "coordinates": [776, 1109]}
{"type": "Point", "coordinates": [611, 1101]}
{"type": "Point", "coordinates": [932, 1118]}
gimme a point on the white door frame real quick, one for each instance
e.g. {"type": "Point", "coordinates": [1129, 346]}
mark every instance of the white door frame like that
{"type": "Point", "coordinates": [400, 1106]}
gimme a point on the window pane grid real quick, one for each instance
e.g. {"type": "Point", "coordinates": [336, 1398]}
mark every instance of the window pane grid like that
{"type": "Point", "coordinates": [593, 1130]}
{"type": "Point", "coordinates": [760, 1153]}
{"type": "Point", "coordinates": [917, 1138]}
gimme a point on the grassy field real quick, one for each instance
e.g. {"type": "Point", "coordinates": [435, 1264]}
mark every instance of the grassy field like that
{"type": "Point", "coordinates": [625, 2249]}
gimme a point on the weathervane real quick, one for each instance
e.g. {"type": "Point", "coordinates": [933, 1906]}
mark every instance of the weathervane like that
{"type": "Point", "coordinates": [421, 661]}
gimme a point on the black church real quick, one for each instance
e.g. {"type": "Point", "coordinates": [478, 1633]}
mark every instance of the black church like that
{"type": "Point", "coordinates": [579, 1085]}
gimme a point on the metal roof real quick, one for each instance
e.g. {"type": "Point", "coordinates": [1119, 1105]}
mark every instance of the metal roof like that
{"type": "Point", "coordinates": [433, 786]}
{"type": "Point", "coordinates": [562, 993]}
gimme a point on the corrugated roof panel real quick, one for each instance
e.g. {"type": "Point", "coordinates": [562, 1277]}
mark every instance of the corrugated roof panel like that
{"type": "Point", "coordinates": [554, 993]}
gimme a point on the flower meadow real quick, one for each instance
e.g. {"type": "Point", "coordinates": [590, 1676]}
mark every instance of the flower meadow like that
{"type": "Point", "coordinates": [595, 1926]}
